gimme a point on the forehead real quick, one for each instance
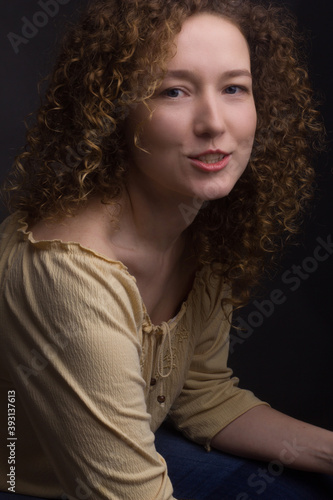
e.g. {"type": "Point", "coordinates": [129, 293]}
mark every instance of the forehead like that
{"type": "Point", "coordinates": [209, 40]}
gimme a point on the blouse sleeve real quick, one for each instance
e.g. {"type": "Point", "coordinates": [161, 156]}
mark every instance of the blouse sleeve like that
{"type": "Point", "coordinates": [211, 398]}
{"type": "Point", "coordinates": [75, 344]}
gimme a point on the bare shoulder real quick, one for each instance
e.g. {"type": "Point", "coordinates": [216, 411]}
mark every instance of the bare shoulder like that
{"type": "Point", "coordinates": [87, 228]}
{"type": "Point", "coordinates": [49, 230]}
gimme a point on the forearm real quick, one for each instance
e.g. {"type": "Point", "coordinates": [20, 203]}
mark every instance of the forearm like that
{"type": "Point", "coordinates": [266, 434]}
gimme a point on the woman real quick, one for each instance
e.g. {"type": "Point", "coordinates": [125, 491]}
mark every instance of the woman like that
{"type": "Point", "coordinates": [169, 160]}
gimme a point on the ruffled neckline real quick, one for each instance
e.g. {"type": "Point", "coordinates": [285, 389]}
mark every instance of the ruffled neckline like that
{"type": "Point", "coordinates": [150, 327]}
{"type": "Point", "coordinates": [147, 325]}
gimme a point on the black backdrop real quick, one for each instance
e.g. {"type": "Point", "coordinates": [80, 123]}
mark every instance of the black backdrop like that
{"type": "Point", "coordinates": [285, 356]}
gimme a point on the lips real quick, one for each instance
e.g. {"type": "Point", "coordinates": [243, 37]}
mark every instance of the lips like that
{"type": "Point", "coordinates": [210, 158]}
{"type": "Point", "coordinates": [211, 161]}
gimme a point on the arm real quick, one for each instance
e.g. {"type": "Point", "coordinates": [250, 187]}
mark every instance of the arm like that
{"type": "Point", "coordinates": [266, 434]}
{"type": "Point", "coordinates": [85, 395]}
{"type": "Point", "coordinates": [210, 398]}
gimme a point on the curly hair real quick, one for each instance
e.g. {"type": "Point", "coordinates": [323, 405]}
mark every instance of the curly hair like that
{"type": "Point", "coordinates": [116, 57]}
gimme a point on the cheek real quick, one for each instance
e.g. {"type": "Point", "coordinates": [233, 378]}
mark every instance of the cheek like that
{"type": "Point", "coordinates": [165, 129]}
{"type": "Point", "coordinates": [246, 145]}
{"type": "Point", "coordinates": [246, 131]}
{"type": "Point", "coordinates": [158, 138]}
{"type": "Point", "coordinates": [252, 119]}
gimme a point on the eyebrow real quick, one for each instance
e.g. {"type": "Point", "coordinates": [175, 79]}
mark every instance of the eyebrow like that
{"type": "Point", "coordinates": [184, 73]}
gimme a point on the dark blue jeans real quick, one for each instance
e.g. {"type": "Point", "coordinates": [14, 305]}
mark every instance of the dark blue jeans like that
{"type": "Point", "coordinates": [16, 496]}
{"type": "Point", "coordinates": [200, 475]}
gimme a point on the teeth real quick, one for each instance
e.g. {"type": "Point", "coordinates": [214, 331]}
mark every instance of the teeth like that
{"type": "Point", "coordinates": [212, 158]}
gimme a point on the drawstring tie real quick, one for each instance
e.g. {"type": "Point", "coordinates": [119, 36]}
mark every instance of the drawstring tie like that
{"type": "Point", "coordinates": [160, 367]}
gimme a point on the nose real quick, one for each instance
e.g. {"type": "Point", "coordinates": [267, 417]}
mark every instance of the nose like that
{"type": "Point", "coordinates": [209, 118]}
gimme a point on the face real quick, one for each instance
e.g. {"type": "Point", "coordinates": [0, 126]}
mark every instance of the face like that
{"type": "Point", "coordinates": [199, 136]}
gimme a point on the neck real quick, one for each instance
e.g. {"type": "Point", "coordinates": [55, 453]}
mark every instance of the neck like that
{"type": "Point", "coordinates": [149, 220]}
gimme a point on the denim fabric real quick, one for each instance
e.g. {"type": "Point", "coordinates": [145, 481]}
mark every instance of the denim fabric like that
{"type": "Point", "coordinates": [200, 475]}
{"type": "Point", "coordinates": [16, 496]}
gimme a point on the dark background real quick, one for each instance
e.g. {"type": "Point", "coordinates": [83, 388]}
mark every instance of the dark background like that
{"type": "Point", "coordinates": [287, 359]}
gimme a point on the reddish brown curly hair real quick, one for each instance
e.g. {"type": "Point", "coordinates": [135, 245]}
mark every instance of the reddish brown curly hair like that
{"type": "Point", "coordinates": [115, 57]}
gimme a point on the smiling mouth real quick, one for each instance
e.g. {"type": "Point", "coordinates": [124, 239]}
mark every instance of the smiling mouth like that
{"type": "Point", "coordinates": [211, 162]}
{"type": "Point", "coordinates": [210, 158]}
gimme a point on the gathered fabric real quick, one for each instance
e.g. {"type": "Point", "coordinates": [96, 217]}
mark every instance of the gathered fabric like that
{"type": "Point", "coordinates": [94, 378]}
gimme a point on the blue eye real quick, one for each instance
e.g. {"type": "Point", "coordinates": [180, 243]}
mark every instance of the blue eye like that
{"type": "Point", "coordinates": [233, 89]}
{"type": "Point", "coordinates": [172, 93]}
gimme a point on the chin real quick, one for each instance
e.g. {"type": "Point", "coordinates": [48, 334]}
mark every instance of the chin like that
{"type": "Point", "coordinates": [215, 192]}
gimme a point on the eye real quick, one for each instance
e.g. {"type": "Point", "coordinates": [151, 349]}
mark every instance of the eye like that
{"type": "Point", "coordinates": [173, 92]}
{"type": "Point", "coordinates": [234, 89]}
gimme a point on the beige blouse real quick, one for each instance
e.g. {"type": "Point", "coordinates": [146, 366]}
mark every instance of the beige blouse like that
{"type": "Point", "coordinates": [94, 378]}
